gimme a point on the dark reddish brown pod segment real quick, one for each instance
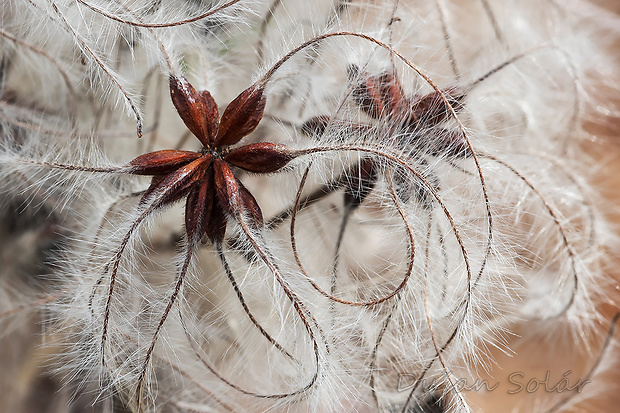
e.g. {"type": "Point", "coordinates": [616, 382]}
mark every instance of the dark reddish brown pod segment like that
{"type": "Point", "coordinates": [262, 157]}
{"type": "Point", "coordinates": [234, 196]}
{"type": "Point", "coordinates": [161, 162]}
{"type": "Point", "coordinates": [241, 116]}
{"type": "Point", "coordinates": [199, 207]}
{"type": "Point", "coordinates": [431, 109]}
{"type": "Point", "coordinates": [379, 96]}
{"type": "Point", "coordinates": [197, 110]}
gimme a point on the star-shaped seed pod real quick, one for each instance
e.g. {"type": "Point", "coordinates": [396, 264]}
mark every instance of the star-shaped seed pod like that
{"type": "Point", "coordinates": [206, 177]}
{"type": "Point", "coordinates": [207, 181]}
{"type": "Point", "coordinates": [418, 117]}
{"type": "Point", "coordinates": [414, 122]}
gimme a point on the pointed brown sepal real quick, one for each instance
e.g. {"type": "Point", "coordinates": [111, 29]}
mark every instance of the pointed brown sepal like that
{"type": "Point", "coordinates": [250, 207]}
{"type": "Point", "coordinates": [198, 207]}
{"type": "Point", "coordinates": [234, 198]}
{"type": "Point", "coordinates": [262, 157]}
{"type": "Point", "coordinates": [216, 227]}
{"type": "Point", "coordinates": [449, 143]}
{"type": "Point", "coordinates": [430, 110]}
{"type": "Point", "coordinates": [392, 95]}
{"type": "Point", "coordinates": [367, 93]}
{"type": "Point", "coordinates": [241, 116]}
{"type": "Point", "coordinates": [174, 186]}
{"type": "Point", "coordinates": [161, 162]}
{"type": "Point", "coordinates": [198, 110]}
{"type": "Point", "coordinates": [361, 181]}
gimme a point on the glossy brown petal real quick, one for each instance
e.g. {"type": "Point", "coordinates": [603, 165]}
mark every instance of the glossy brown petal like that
{"type": "Point", "coordinates": [234, 198]}
{"type": "Point", "coordinates": [198, 207]}
{"type": "Point", "coordinates": [241, 116]}
{"type": "Point", "coordinates": [430, 110]}
{"type": "Point", "coordinates": [262, 157]}
{"type": "Point", "coordinates": [161, 162]}
{"type": "Point", "coordinates": [198, 110]}
{"type": "Point", "coordinates": [174, 186]}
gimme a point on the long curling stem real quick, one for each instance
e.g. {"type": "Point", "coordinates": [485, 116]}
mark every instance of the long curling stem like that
{"type": "Point", "coordinates": [244, 304]}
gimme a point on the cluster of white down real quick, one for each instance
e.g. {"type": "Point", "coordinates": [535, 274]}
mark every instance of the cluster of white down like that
{"type": "Point", "coordinates": [447, 253]}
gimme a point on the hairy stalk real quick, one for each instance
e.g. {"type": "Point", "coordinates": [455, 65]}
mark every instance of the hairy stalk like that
{"type": "Point", "coordinates": [447, 40]}
{"type": "Point", "coordinates": [260, 46]}
{"type": "Point", "coordinates": [438, 351]}
{"type": "Point", "coordinates": [442, 95]}
{"type": "Point", "coordinates": [162, 48]}
{"type": "Point", "coordinates": [115, 264]}
{"type": "Point", "coordinates": [96, 240]}
{"type": "Point", "coordinates": [380, 300]}
{"type": "Point", "coordinates": [70, 167]}
{"type": "Point", "coordinates": [348, 209]}
{"type": "Point", "coordinates": [300, 308]}
{"type": "Point", "coordinates": [489, 12]}
{"type": "Point", "coordinates": [102, 65]}
{"type": "Point", "coordinates": [465, 303]}
{"type": "Point", "coordinates": [158, 25]}
{"type": "Point", "coordinates": [428, 186]}
{"type": "Point", "coordinates": [51, 59]}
